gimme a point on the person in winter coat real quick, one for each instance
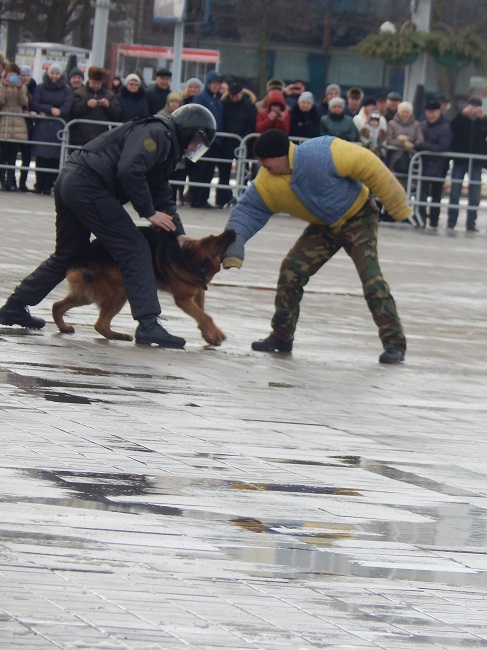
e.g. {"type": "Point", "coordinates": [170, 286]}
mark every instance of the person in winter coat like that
{"type": "Point", "coordinates": [272, 84]}
{"type": "Point", "coordinates": [193, 87]}
{"type": "Point", "coordinates": [305, 121]}
{"type": "Point", "coordinates": [437, 138]}
{"type": "Point", "coordinates": [326, 182]}
{"type": "Point", "coordinates": [368, 105]}
{"type": "Point", "coordinates": [275, 115]}
{"type": "Point", "coordinates": [469, 130]}
{"type": "Point", "coordinates": [331, 91]}
{"type": "Point", "coordinates": [76, 78]}
{"type": "Point", "coordinates": [116, 85]}
{"type": "Point", "coordinates": [13, 99]}
{"type": "Point", "coordinates": [239, 115]}
{"type": "Point", "coordinates": [157, 94]}
{"type": "Point", "coordinates": [132, 98]}
{"type": "Point", "coordinates": [93, 102]}
{"type": "Point", "coordinates": [404, 133]}
{"type": "Point", "coordinates": [26, 147]}
{"type": "Point", "coordinates": [53, 97]}
{"type": "Point", "coordinates": [337, 123]}
{"type": "Point", "coordinates": [372, 135]}
{"type": "Point", "coordinates": [173, 101]}
{"type": "Point", "coordinates": [203, 170]}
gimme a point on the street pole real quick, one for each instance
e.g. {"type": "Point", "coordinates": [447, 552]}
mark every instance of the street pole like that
{"type": "Point", "coordinates": [100, 33]}
{"type": "Point", "coordinates": [177, 54]}
{"type": "Point", "coordinates": [415, 74]}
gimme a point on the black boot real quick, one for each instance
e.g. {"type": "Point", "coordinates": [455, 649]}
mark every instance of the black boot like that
{"type": "Point", "coordinates": [3, 181]}
{"type": "Point", "coordinates": [272, 344]}
{"type": "Point", "coordinates": [23, 182]}
{"type": "Point", "coordinates": [15, 313]}
{"type": "Point", "coordinates": [151, 331]}
{"type": "Point", "coordinates": [11, 182]}
{"type": "Point", "coordinates": [392, 355]}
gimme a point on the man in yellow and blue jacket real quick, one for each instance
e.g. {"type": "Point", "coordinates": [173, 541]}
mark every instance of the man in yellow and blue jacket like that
{"type": "Point", "coordinates": [326, 182]}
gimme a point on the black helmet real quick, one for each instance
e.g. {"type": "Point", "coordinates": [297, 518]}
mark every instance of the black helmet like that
{"type": "Point", "coordinates": [195, 129]}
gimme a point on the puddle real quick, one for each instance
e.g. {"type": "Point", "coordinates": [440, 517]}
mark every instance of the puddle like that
{"type": "Point", "coordinates": [295, 487]}
{"type": "Point", "coordinates": [385, 469]}
{"type": "Point", "coordinates": [45, 387]}
{"type": "Point", "coordinates": [317, 561]}
{"type": "Point", "coordinates": [293, 545]}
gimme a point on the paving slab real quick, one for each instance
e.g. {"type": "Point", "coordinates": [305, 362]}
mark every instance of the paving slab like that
{"type": "Point", "coordinates": [220, 498]}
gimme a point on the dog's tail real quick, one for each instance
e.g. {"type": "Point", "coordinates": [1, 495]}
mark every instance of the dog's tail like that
{"type": "Point", "coordinates": [80, 276]}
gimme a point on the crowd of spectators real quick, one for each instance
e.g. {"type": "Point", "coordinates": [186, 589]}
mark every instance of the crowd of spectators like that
{"type": "Point", "coordinates": [383, 123]}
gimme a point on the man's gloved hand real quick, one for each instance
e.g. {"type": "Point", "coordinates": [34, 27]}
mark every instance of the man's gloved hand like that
{"type": "Point", "coordinates": [402, 137]}
{"type": "Point", "coordinates": [408, 144]}
{"type": "Point", "coordinates": [232, 263]}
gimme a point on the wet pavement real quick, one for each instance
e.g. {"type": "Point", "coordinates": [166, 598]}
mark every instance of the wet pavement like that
{"type": "Point", "coordinates": [218, 498]}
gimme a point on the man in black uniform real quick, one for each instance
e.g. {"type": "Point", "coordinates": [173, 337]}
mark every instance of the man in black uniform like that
{"type": "Point", "coordinates": [133, 163]}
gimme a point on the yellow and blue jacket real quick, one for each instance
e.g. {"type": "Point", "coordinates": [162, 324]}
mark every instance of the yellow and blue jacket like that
{"type": "Point", "coordinates": [330, 181]}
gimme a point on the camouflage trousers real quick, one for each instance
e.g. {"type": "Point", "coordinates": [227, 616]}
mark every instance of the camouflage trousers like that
{"type": "Point", "coordinates": [317, 245]}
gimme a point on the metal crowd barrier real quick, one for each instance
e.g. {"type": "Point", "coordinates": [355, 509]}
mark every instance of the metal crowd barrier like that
{"type": "Point", "coordinates": [244, 164]}
{"type": "Point", "coordinates": [29, 118]}
{"type": "Point", "coordinates": [416, 178]}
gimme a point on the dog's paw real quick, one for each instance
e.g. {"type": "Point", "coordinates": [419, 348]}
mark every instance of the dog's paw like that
{"type": "Point", "coordinates": [117, 336]}
{"type": "Point", "coordinates": [215, 337]}
{"type": "Point", "coordinates": [67, 329]}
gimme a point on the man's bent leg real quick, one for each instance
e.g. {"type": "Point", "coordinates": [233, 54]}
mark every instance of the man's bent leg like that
{"type": "Point", "coordinates": [71, 239]}
{"type": "Point", "coordinates": [310, 252]}
{"type": "Point", "coordinates": [361, 246]}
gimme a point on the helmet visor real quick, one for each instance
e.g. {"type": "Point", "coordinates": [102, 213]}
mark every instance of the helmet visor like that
{"type": "Point", "coordinates": [197, 147]}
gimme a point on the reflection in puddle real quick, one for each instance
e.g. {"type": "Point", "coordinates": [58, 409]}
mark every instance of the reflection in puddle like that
{"type": "Point", "coordinates": [388, 470]}
{"type": "Point", "coordinates": [45, 387]}
{"type": "Point", "coordinates": [292, 487]}
{"type": "Point", "coordinates": [295, 545]}
{"type": "Point", "coordinates": [312, 560]}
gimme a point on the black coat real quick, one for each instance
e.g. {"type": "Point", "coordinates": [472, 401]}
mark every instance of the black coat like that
{"type": "Point", "coordinates": [156, 98]}
{"type": "Point", "coordinates": [133, 104]}
{"type": "Point", "coordinates": [239, 117]}
{"type": "Point", "coordinates": [469, 135]}
{"type": "Point", "coordinates": [47, 95]}
{"type": "Point", "coordinates": [305, 124]}
{"type": "Point", "coordinates": [437, 137]}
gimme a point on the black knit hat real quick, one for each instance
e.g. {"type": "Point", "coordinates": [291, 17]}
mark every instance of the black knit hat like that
{"type": "Point", "coordinates": [272, 144]}
{"type": "Point", "coordinates": [76, 72]}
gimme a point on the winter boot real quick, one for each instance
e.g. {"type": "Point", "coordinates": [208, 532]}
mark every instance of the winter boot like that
{"type": "Point", "coordinates": [151, 331]}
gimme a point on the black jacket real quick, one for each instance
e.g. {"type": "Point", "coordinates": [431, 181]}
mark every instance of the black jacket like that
{"type": "Point", "coordinates": [437, 137]}
{"type": "Point", "coordinates": [133, 104]}
{"type": "Point", "coordinates": [156, 99]}
{"type": "Point", "coordinates": [304, 124]}
{"type": "Point", "coordinates": [239, 117]}
{"type": "Point", "coordinates": [134, 162]}
{"type": "Point", "coordinates": [469, 135]}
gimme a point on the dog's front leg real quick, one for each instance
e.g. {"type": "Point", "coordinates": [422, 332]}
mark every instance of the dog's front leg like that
{"type": "Point", "coordinates": [60, 307]}
{"type": "Point", "coordinates": [194, 306]}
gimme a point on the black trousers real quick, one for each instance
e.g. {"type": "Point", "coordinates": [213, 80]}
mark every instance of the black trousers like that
{"type": "Point", "coordinates": [45, 180]}
{"type": "Point", "coordinates": [85, 206]}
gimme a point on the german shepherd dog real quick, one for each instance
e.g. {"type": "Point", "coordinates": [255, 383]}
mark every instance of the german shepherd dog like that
{"type": "Point", "coordinates": [184, 271]}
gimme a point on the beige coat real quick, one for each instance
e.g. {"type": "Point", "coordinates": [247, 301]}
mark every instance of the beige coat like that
{"type": "Point", "coordinates": [13, 100]}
